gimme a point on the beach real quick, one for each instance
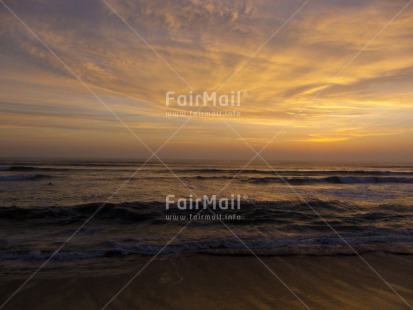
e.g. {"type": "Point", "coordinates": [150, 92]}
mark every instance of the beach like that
{"type": "Point", "coordinates": [223, 282]}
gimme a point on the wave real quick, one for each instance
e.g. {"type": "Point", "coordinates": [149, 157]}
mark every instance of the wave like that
{"type": "Point", "coordinates": [329, 180]}
{"type": "Point", "coordinates": [26, 166]}
{"type": "Point", "coordinates": [296, 172]}
{"type": "Point", "coordinates": [80, 168]}
{"type": "Point", "coordinates": [311, 245]}
{"type": "Point", "coordinates": [281, 179]}
{"type": "Point", "coordinates": [250, 212]}
{"type": "Point", "coordinates": [23, 177]}
{"type": "Point", "coordinates": [267, 227]}
{"type": "Point", "coordinates": [30, 168]}
{"type": "Point", "coordinates": [42, 255]}
{"type": "Point", "coordinates": [126, 212]}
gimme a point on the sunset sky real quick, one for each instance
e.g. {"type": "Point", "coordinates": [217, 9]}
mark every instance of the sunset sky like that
{"type": "Point", "coordinates": [335, 82]}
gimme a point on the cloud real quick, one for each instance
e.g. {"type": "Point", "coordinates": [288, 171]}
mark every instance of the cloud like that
{"type": "Point", "coordinates": [205, 42]}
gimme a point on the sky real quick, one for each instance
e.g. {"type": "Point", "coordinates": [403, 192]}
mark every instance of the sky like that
{"type": "Point", "coordinates": [323, 80]}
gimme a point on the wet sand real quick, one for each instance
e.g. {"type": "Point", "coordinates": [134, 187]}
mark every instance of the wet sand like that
{"type": "Point", "coordinates": [194, 281]}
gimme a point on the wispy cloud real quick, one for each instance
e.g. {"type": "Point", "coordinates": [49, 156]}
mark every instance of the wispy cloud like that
{"type": "Point", "coordinates": [206, 41]}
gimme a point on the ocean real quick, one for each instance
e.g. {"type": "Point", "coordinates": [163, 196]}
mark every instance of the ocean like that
{"type": "Point", "coordinates": [292, 209]}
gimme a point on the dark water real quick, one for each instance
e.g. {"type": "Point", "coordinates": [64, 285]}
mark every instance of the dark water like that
{"type": "Point", "coordinates": [299, 209]}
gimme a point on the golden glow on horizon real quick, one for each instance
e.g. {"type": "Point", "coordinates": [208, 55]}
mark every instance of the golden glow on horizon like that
{"type": "Point", "coordinates": [324, 139]}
